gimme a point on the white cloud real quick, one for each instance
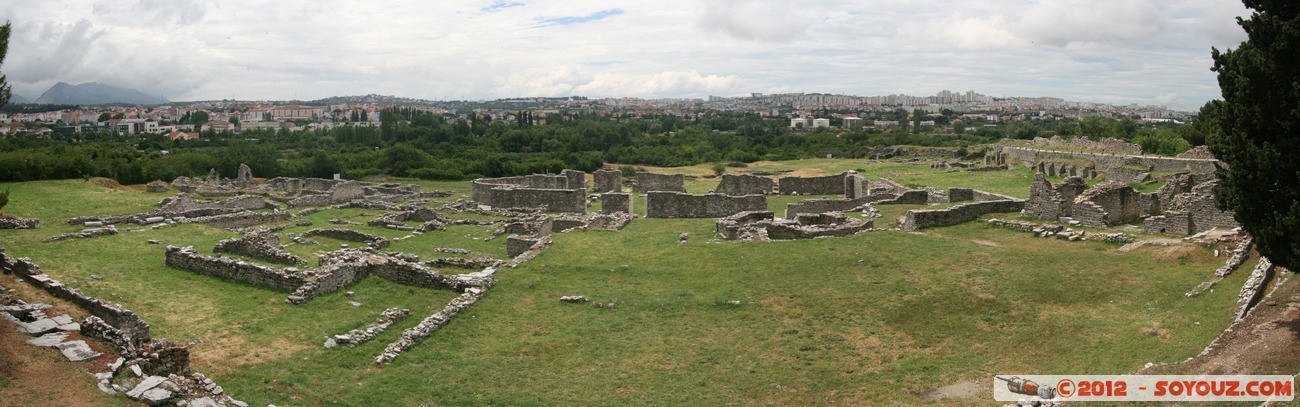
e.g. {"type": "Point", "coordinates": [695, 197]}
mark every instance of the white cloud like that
{"type": "Point", "coordinates": [1119, 50]}
{"type": "Point", "coordinates": [761, 20]}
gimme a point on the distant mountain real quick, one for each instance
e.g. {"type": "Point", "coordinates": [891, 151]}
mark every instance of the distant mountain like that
{"type": "Point", "coordinates": [92, 93]}
{"type": "Point", "coordinates": [16, 98]}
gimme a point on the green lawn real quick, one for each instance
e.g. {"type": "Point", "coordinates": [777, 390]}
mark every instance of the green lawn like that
{"type": "Point", "coordinates": [871, 319]}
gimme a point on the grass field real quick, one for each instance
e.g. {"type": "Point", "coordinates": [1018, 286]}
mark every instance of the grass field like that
{"type": "Point", "coordinates": [881, 317]}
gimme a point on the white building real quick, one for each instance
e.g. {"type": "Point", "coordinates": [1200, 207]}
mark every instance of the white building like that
{"type": "Point", "coordinates": [821, 123]}
{"type": "Point", "coordinates": [798, 122]}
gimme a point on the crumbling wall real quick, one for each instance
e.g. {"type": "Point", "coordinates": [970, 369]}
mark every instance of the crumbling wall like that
{"type": "Point", "coordinates": [186, 258]}
{"type": "Point", "coordinates": [19, 223]}
{"type": "Point", "coordinates": [428, 326]}
{"type": "Point", "coordinates": [1107, 204]}
{"type": "Point", "coordinates": [262, 245]}
{"type": "Point", "coordinates": [855, 186]}
{"type": "Point", "coordinates": [607, 180]}
{"type": "Point", "coordinates": [551, 200]}
{"type": "Point", "coordinates": [961, 194]}
{"type": "Point", "coordinates": [123, 319]}
{"type": "Point", "coordinates": [909, 197]}
{"type": "Point", "coordinates": [1030, 156]}
{"type": "Point", "coordinates": [827, 185]}
{"type": "Point", "coordinates": [652, 182]}
{"type": "Point", "coordinates": [1189, 212]}
{"type": "Point", "coordinates": [1052, 202]}
{"type": "Point", "coordinates": [744, 184]}
{"type": "Point", "coordinates": [886, 186]}
{"type": "Point", "coordinates": [793, 209]}
{"type": "Point", "coordinates": [240, 219]}
{"type": "Point", "coordinates": [761, 226]}
{"type": "Point", "coordinates": [377, 242]}
{"type": "Point", "coordinates": [680, 205]}
{"type": "Point", "coordinates": [925, 218]}
{"type": "Point", "coordinates": [611, 203]}
{"type": "Point", "coordinates": [574, 179]}
{"type": "Point", "coordinates": [517, 245]}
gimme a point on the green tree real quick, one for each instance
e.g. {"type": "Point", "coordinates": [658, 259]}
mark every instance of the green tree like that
{"type": "Point", "coordinates": [719, 169]}
{"type": "Point", "coordinates": [1258, 129]}
{"type": "Point", "coordinates": [103, 117]}
{"type": "Point", "coordinates": [5, 89]}
{"type": "Point", "coordinates": [199, 118]}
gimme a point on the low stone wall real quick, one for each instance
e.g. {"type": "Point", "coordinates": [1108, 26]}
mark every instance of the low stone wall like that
{"type": "Point", "coordinates": [607, 180]}
{"type": "Point", "coordinates": [85, 234]}
{"type": "Point", "coordinates": [961, 194]}
{"type": "Point", "coordinates": [122, 319]}
{"type": "Point", "coordinates": [19, 223]}
{"type": "Point", "coordinates": [186, 258]}
{"type": "Point", "coordinates": [240, 219]}
{"type": "Point", "coordinates": [258, 245]}
{"type": "Point", "coordinates": [1028, 156]}
{"type": "Point", "coordinates": [793, 209]}
{"type": "Point", "coordinates": [651, 182]}
{"type": "Point", "coordinates": [517, 245]}
{"type": "Point", "coordinates": [479, 188]}
{"type": "Point", "coordinates": [362, 335]}
{"type": "Point", "coordinates": [760, 226]}
{"type": "Point", "coordinates": [680, 205]}
{"type": "Point", "coordinates": [743, 184]}
{"type": "Point", "coordinates": [551, 200]}
{"type": "Point", "coordinates": [376, 242]}
{"type": "Point", "coordinates": [926, 218]}
{"type": "Point", "coordinates": [417, 275]}
{"type": "Point", "coordinates": [414, 336]}
{"type": "Point", "coordinates": [827, 185]}
{"type": "Point", "coordinates": [611, 203]}
{"type": "Point", "coordinates": [910, 197]}
{"type": "Point", "coordinates": [576, 179]}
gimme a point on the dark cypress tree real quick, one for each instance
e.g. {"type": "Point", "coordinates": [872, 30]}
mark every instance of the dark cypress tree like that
{"type": "Point", "coordinates": [1257, 124]}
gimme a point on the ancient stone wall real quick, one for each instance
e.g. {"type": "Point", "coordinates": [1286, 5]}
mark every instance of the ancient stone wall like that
{"type": "Point", "coordinates": [611, 202]}
{"type": "Point", "coordinates": [652, 182]}
{"type": "Point", "coordinates": [260, 245]}
{"type": "Point", "coordinates": [186, 258]}
{"type": "Point", "coordinates": [793, 209]}
{"type": "Point", "coordinates": [121, 318]}
{"type": "Point", "coordinates": [1189, 212]}
{"type": "Point", "coordinates": [19, 223]}
{"type": "Point", "coordinates": [961, 194]}
{"type": "Point", "coordinates": [744, 184]}
{"type": "Point", "coordinates": [1107, 204]}
{"type": "Point", "coordinates": [731, 227]}
{"type": "Point", "coordinates": [855, 186]}
{"type": "Point", "coordinates": [761, 226]}
{"type": "Point", "coordinates": [886, 186]}
{"type": "Point", "coordinates": [827, 185]}
{"type": "Point", "coordinates": [551, 200]}
{"type": "Point", "coordinates": [926, 218]}
{"type": "Point", "coordinates": [574, 179]}
{"type": "Point", "coordinates": [240, 219]}
{"type": "Point", "coordinates": [607, 180]}
{"type": "Point", "coordinates": [377, 242]}
{"type": "Point", "coordinates": [1030, 156]}
{"type": "Point", "coordinates": [517, 245]}
{"type": "Point", "coordinates": [428, 326]}
{"type": "Point", "coordinates": [909, 197]}
{"type": "Point", "coordinates": [680, 205]}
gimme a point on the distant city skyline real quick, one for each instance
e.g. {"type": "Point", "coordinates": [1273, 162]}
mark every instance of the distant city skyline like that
{"type": "Point", "coordinates": [1106, 51]}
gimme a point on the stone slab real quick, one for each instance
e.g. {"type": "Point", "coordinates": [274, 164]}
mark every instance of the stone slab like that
{"type": "Point", "coordinates": [38, 327]}
{"type": "Point", "coordinates": [49, 340]}
{"type": "Point", "coordinates": [78, 351]}
{"type": "Point", "coordinates": [147, 384]}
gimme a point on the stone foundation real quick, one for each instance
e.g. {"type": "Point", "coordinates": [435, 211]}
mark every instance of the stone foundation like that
{"type": "Point", "coordinates": [611, 203]}
{"type": "Point", "coordinates": [680, 205]}
{"type": "Point", "coordinates": [607, 180]}
{"type": "Point", "coordinates": [925, 218]}
{"type": "Point", "coordinates": [744, 184]}
{"type": "Point", "coordinates": [259, 245]}
{"type": "Point", "coordinates": [827, 185]}
{"type": "Point", "coordinates": [651, 182]}
{"type": "Point", "coordinates": [19, 223]}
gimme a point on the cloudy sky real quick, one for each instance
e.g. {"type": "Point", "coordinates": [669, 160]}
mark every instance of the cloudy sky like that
{"type": "Point", "coordinates": [1115, 51]}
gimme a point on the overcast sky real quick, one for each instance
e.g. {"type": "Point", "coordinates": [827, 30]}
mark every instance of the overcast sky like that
{"type": "Point", "coordinates": [1115, 51]}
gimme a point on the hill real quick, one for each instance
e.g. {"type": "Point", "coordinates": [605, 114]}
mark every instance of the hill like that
{"type": "Point", "coordinates": [94, 93]}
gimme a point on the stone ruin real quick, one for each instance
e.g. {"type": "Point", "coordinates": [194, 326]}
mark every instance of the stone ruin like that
{"type": "Point", "coordinates": [157, 186]}
{"type": "Point", "coordinates": [681, 205]}
{"type": "Point", "coordinates": [611, 203]}
{"type": "Point", "coordinates": [1102, 205]}
{"type": "Point", "coordinates": [827, 185]}
{"type": "Point", "coordinates": [372, 241]}
{"type": "Point", "coordinates": [924, 218]}
{"type": "Point", "coordinates": [1199, 152]}
{"type": "Point", "coordinates": [258, 244]}
{"type": "Point", "coordinates": [1187, 207]}
{"type": "Point", "coordinates": [153, 371]}
{"type": "Point", "coordinates": [744, 184]}
{"type": "Point", "coordinates": [607, 180]}
{"type": "Point", "coordinates": [10, 222]}
{"type": "Point", "coordinates": [362, 335]}
{"type": "Point", "coordinates": [762, 226]}
{"type": "Point", "coordinates": [647, 182]}
{"type": "Point", "coordinates": [552, 193]}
